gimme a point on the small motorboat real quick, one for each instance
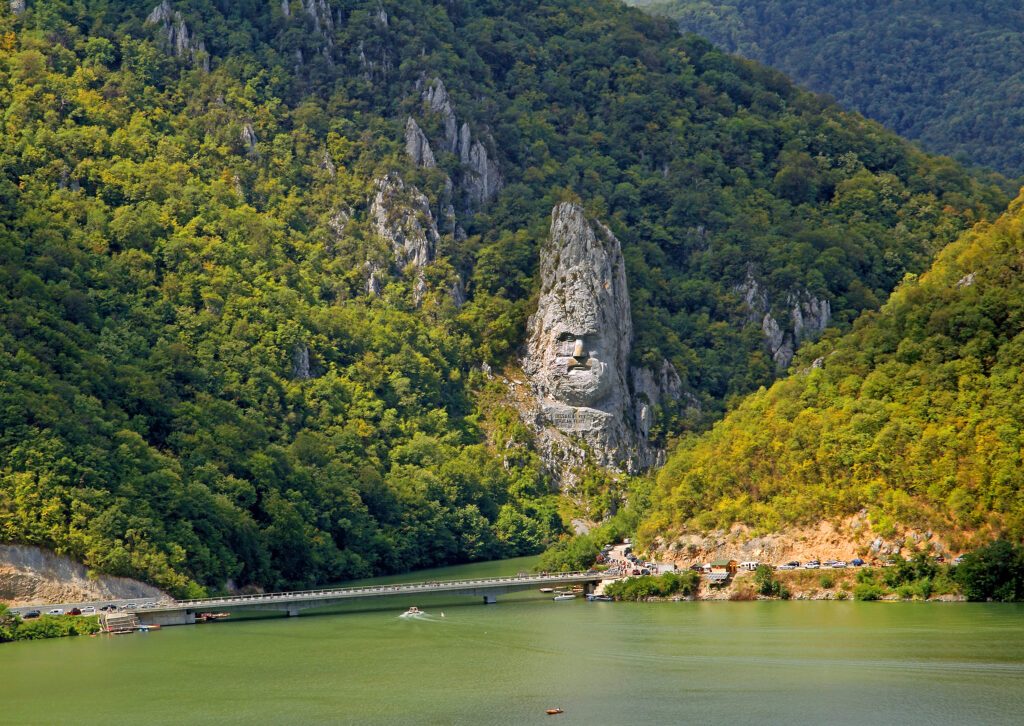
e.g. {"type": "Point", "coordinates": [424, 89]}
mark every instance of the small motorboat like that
{"type": "Point", "coordinates": [547, 589]}
{"type": "Point", "coordinates": [411, 612]}
{"type": "Point", "coordinates": [553, 711]}
{"type": "Point", "coordinates": [599, 598]}
{"type": "Point", "coordinates": [564, 596]}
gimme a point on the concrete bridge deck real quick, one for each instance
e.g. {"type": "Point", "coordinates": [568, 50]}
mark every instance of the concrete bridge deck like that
{"type": "Point", "coordinates": [184, 612]}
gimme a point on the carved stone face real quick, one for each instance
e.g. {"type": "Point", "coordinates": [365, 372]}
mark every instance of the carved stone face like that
{"type": "Point", "coordinates": [576, 374]}
{"type": "Point", "coordinates": [580, 338]}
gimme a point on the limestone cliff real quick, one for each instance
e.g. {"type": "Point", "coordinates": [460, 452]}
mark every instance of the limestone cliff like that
{"type": "Point", "coordinates": [481, 178]}
{"type": "Point", "coordinates": [803, 317]}
{"type": "Point", "coordinates": [400, 214]}
{"type": "Point", "coordinates": [577, 355]}
{"type": "Point", "coordinates": [182, 42]}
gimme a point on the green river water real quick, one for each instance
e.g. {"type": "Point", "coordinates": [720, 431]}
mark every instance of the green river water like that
{"type": "Point", "coordinates": [603, 663]}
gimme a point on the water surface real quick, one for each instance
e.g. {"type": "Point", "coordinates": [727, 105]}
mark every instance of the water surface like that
{"type": "Point", "coordinates": [603, 663]}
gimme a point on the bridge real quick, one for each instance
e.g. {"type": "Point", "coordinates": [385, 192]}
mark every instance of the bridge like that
{"type": "Point", "coordinates": [185, 612]}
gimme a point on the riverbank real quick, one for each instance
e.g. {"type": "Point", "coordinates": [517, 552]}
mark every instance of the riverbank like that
{"type": "Point", "coordinates": [13, 628]}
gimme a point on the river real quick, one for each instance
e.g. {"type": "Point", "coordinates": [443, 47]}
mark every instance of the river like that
{"type": "Point", "coordinates": [603, 663]}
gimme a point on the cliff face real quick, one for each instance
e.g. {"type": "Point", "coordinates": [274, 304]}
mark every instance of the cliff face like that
{"type": "Point", "coordinates": [182, 42]}
{"type": "Point", "coordinates": [578, 352]}
{"type": "Point", "coordinates": [803, 317]}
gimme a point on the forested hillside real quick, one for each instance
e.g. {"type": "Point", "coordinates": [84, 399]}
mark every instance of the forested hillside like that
{"type": "Point", "coordinates": [214, 368]}
{"type": "Point", "coordinates": [917, 415]}
{"type": "Point", "coordinates": [948, 73]}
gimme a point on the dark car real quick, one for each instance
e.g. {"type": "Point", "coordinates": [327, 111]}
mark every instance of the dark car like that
{"type": "Point", "coordinates": [857, 562]}
{"type": "Point", "coordinates": [30, 614]}
{"type": "Point", "coordinates": [108, 608]}
{"type": "Point", "coordinates": [73, 611]}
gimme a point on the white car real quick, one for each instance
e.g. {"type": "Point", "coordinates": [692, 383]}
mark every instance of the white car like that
{"type": "Point", "coordinates": [55, 611]}
{"type": "Point", "coordinates": [839, 565]}
{"type": "Point", "coordinates": [129, 606]}
{"type": "Point", "coordinates": [88, 610]}
{"type": "Point", "coordinates": [786, 567]}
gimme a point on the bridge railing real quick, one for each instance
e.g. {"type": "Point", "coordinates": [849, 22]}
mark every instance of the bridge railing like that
{"type": "Point", "coordinates": [397, 587]}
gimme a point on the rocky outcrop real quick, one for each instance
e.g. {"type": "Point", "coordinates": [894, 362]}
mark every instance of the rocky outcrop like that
{"type": "Point", "coordinates": [182, 42]}
{"type": "Point", "coordinates": [577, 355]}
{"type": "Point", "coordinates": [248, 138]}
{"type": "Point", "coordinates": [30, 575]}
{"type": "Point", "coordinates": [401, 215]}
{"type": "Point", "coordinates": [652, 389]}
{"type": "Point", "coordinates": [417, 146]}
{"type": "Point", "coordinates": [805, 317]}
{"type": "Point", "coordinates": [435, 95]}
{"type": "Point", "coordinates": [481, 179]}
{"type": "Point", "coordinates": [300, 362]}
{"type": "Point", "coordinates": [320, 14]}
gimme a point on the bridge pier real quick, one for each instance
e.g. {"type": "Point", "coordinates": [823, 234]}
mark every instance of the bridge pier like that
{"type": "Point", "coordinates": [490, 599]}
{"type": "Point", "coordinates": [293, 612]}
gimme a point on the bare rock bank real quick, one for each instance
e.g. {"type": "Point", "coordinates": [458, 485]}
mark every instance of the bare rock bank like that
{"type": "Point", "coordinates": [33, 575]}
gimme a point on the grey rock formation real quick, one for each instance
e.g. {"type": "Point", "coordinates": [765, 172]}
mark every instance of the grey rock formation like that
{"type": "Point", "coordinates": [807, 316]}
{"type": "Point", "coordinates": [326, 164]}
{"type": "Point", "coordinates": [483, 178]}
{"type": "Point", "coordinates": [650, 390]}
{"type": "Point", "coordinates": [286, 8]}
{"type": "Point", "coordinates": [248, 137]}
{"type": "Point", "coordinates": [401, 215]}
{"type": "Point", "coordinates": [417, 146]}
{"type": "Point", "coordinates": [436, 97]}
{"type": "Point", "coordinates": [578, 350]}
{"type": "Point", "coordinates": [300, 362]}
{"type": "Point", "coordinates": [182, 43]}
{"type": "Point", "coordinates": [321, 15]}
{"type": "Point", "coordinates": [17, 7]}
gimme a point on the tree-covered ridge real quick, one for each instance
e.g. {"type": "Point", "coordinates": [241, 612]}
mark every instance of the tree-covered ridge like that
{"type": "Point", "coordinates": [197, 386]}
{"type": "Point", "coordinates": [916, 414]}
{"type": "Point", "coordinates": [947, 73]}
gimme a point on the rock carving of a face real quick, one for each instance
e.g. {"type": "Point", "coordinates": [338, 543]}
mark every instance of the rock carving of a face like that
{"type": "Point", "coordinates": [582, 330]}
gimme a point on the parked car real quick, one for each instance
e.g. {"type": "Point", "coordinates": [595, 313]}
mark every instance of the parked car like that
{"type": "Point", "coordinates": [55, 611]}
{"type": "Point", "coordinates": [838, 565]}
{"type": "Point", "coordinates": [129, 606]}
{"type": "Point", "coordinates": [73, 611]}
{"type": "Point", "coordinates": [30, 614]}
{"type": "Point", "coordinates": [88, 610]}
{"type": "Point", "coordinates": [787, 566]}
{"type": "Point", "coordinates": [857, 562]}
{"type": "Point", "coordinates": [751, 565]}
{"type": "Point", "coordinates": [108, 608]}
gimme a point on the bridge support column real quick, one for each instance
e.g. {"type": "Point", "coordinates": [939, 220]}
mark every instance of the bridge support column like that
{"type": "Point", "coordinates": [490, 599]}
{"type": "Point", "coordinates": [589, 587]}
{"type": "Point", "coordinates": [293, 612]}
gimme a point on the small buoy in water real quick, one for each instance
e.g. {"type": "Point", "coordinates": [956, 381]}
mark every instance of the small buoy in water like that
{"type": "Point", "coordinates": [553, 711]}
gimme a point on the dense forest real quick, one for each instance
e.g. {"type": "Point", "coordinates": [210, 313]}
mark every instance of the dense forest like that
{"type": "Point", "coordinates": [198, 384]}
{"type": "Point", "coordinates": [948, 73]}
{"type": "Point", "coordinates": [916, 414]}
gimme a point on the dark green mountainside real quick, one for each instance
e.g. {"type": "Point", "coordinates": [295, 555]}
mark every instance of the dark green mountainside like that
{"type": "Point", "coordinates": [916, 415]}
{"type": "Point", "coordinates": [948, 73]}
{"type": "Point", "coordinates": [198, 384]}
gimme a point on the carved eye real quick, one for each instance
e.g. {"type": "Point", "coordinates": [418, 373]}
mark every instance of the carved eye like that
{"type": "Point", "coordinates": [565, 344]}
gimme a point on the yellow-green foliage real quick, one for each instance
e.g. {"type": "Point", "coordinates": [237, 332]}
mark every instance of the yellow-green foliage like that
{"type": "Point", "coordinates": [917, 414]}
{"type": "Point", "coordinates": [174, 248]}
